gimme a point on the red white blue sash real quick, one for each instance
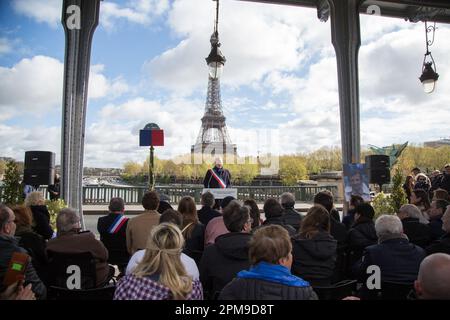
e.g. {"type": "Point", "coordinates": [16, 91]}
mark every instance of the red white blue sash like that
{"type": "Point", "coordinates": [118, 223]}
{"type": "Point", "coordinates": [220, 181]}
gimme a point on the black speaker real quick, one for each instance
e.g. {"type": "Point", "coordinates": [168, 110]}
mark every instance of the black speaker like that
{"type": "Point", "coordinates": [378, 169]}
{"type": "Point", "coordinates": [39, 168]}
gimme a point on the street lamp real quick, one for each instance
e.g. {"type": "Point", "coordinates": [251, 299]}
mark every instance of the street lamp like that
{"type": "Point", "coordinates": [215, 59]}
{"type": "Point", "coordinates": [429, 75]}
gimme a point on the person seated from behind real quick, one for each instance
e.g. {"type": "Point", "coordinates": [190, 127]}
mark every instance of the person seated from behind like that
{"type": "Point", "coordinates": [30, 240]}
{"type": "Point", "coordinates": [440, 194]}
{"type": "Point", "coordinates": [314, 249]}
{"type": "Point", "coordinates": [174, 217]}
{"type": "Point", "coordinates": [113, 233]}
{"type": "Point", "coordinates": [164, 203]}
{"type": "Point", "coordinates": [160, 275]}
{"type": "Point", "coordinates": [290, 215]}
{"type": "Point", "coordinates": [255, 214]}
{"type": "Point", "coordinates": [433, 282]}
{"type": "Point", "coordinates": [443, 244]}
{"type": "Point", "coordinates": [41, 217]}
{"type": "Point", "coordinates": [193, 230]}
{"type": "Point", "coordinates": [420, 199]}
{"type": "Point", "coordinates": [362, 234]}
{"type": "Point", "coordinates": [206, 213]}
{"type": "Point", "coordinates": [139, 227]}
{"type": "Point", "coordinates": [70, 239]}
{"type": "Point", "coordinates": [8, 245]}
{"type": "Point", "coordinates": [349, 218]}
{"type": "Point", "coordinates": [274, 215]}
{"type": "Point", "coordinates": [222, 260]}
{"type": "Point", "coordinates": [435, 213]}
{"type": "Point", "coordinates": [417, 232]}
{"type": "Point", "coordinates": [397, 258]}
{"type": "Point", "coordinates": [271, 260]}
{"type": "Point", "coordinates": [216, 226]}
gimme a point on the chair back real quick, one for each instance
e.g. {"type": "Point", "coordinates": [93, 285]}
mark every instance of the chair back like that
{"type": "Point", "coordinates": [337, 291]}
{"type": "Point", "coordinates": [395, 290]}
{"type": "Point", "coordinates": [102, 293]}
{"type": "Point", "coordinates": [64, 265]}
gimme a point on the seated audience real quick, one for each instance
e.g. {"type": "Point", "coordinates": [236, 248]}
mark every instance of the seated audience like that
{"type": "Point", "coordinates": [417, 232]}
{"type": "Point", "coordinates": [9, 245]}
{"type": "Point", "coordinates": [270, 277]}
{"type": "Point", "coordinates": [70, 239]}
{"type": "Point", "coordinates": [30, 240]}
{"type": "Point", "coordinates": [443, 244]}
{"type": "Point", "coordinates": [193, 230]}
{"type": "Point", "coordinates": [435, 213]}
{"type": "Point", "coordinates": [174, 217]}
{"type": "Point", "coordinates": [440, 194]}
{"type": "Point", "coordinates": [314, 249]}
{"type": "Point", "coordinates": [113, 233]}
{"type": "Point", "coordinates": [290, 215]}
{"type": "Point", "coordinates": [41, 217]}
{"type": "Point", "coordinates": [164, 203]}
{"type": "Point", "coordinates": [206, 213]}
{"type": "Point", "coordinates": [222, 260]}
{"type": "Point", "coordinates": [397, 258]}
{"type": "Point", "coordinates": [255, 214]}
{"type": "Point", "coordinates": [139, 227]}
{"type": "Point", "coordinates": [349, 218]}
{"type": "Point", "coordinates": [419, 198]}
{"type": "Point", "coordinates": [362, 234]}
{"type": "Point", "coordinates": [274, 215]}
{"type": "Point", "coordinates": [160, 275]}
{"type": "Point", "coordinates": [433, 282]}
{"type": "Point", "coordinates": [216, 226]}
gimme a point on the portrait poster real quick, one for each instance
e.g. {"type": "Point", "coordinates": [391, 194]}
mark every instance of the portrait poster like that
{"type": "Point", "coordinates": [356, 181]}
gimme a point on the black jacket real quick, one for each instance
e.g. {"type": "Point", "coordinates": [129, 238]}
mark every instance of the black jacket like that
{"type": "Point", "coordinates": [436, 228]}
{"type": "Point", "coordinates": [222, 260]}
{"type": "Point", "coordinates": [442, 245]}
{"type": "Point", "coordinates": [195, 243]}
{"type": "Point", "coordinates": [41, 221]}
{"type": "Point", "coordinates": [338, 231]}
{"type": "Point", "coordinates": [210, 182]}
{"type": "Point", "coordinates": [349, 219]}
{"type": "Point", "coordinates": [114, 240]}
{"type": "Point", "coordinates": [279, 221]}
{"type": "Point", "coordinates": [314, 259]}
{"type": "Point", "coordinates": [205, 214]}
{"type": "Point", "coordinates": [292, 217]}
{"type": "Point", "coordinates": [9, 245]}
{"type": "Point", "coordinates": [360, 236]}
{"type": "Point", "coordinates": [256, 289]}
{"type": "Point", "coordinates": [418, 233]}
{"type": "Point", "coordinates": [35, 245]}
{"type": "Point", "coordinates": [398, 260]}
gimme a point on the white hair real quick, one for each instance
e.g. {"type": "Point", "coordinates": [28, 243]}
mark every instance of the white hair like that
{"type": "Point", "coordinates": [287, 198]}
{"type": "Point", "coordinates": [387, 225]}
{"type": "Point", "coordinates": [67, 220]}
{"type": "Point", "coordinates": [413, 212]}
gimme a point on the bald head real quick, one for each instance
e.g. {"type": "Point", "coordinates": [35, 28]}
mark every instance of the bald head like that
{"type": "Point", "coordinates": [433, 281]}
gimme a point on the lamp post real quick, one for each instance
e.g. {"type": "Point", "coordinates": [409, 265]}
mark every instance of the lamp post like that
{"type": "Point", "coordinates": [429, 75]}
{"type": "Point", "coordinates": [215, 59]}
{"type": "Point", "coordinates": [151, 136]}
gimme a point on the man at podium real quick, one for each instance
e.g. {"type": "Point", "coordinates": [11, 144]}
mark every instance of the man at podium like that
{"type": "Point", "coordinates": [217, 177]}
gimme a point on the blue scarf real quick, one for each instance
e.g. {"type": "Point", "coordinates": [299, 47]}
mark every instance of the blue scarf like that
{"type": "Point", "coordinates": [273, 273]}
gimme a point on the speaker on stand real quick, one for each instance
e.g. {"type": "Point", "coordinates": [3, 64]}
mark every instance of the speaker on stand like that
{"type": "Point", "coordinates": [39, 168]}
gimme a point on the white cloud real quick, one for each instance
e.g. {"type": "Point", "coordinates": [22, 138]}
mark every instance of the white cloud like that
{"type": "Point", "coordinates": [35, 86]}
{"type": "Point", "coordinates": [136, 11]}
{"type": "Point", "coordinates": [47, 11]}
{"type": "Point", "coordinates": [5, 46]}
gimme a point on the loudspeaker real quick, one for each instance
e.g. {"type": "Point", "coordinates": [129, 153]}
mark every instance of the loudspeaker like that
{"type": "Point", "coordinates": [378, 168]}
{"type": "Point", "coordinates": [39, 168]}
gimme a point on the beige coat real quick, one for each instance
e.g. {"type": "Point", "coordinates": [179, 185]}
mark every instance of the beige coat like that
{"type": "Point", "coordinates": [138, 230]}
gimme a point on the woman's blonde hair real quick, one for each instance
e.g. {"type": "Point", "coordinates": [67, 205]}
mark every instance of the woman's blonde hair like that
{"type": "Point", "coordinates": [35, 198]}
{"type": "Point", "coordinates": [162, 256]}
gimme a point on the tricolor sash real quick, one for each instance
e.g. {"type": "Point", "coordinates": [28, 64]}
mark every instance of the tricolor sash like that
{"type": "Point", "coordinates": [118, 223]}
{"type": "Point", "coordinates": [220, 181]}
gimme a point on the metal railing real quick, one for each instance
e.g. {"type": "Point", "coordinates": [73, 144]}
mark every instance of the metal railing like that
{"type": "Point", "coordinates": [133, 195]}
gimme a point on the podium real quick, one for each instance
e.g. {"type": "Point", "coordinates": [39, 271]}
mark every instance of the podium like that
{"type": "Point", "coordinates": [219, 193]}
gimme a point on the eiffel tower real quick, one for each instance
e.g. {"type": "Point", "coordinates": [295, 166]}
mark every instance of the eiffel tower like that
{"type": "Point", "coordinates": [213, 139]}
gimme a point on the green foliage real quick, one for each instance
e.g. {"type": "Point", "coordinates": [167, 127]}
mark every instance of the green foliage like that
{"type": "Point", "coordinates": [382, 205]}
{"type": "Point", "coordinates": [398, 196]}
{"type": "Point", "coordinates": [12, 192]}
{"type": "Point", "coordinates": [292, 169]}
{"type": "Point", "coordinates": [54, 207]}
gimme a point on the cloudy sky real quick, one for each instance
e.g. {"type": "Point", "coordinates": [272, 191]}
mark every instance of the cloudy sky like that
{"type": "Point", "coordinates": [148, 65]}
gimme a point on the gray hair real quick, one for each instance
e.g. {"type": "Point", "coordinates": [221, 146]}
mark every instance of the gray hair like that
{"type": "Point", "coordinates": [208, 199]}
{"type": "Point", "coordinates": [413, 212]}
{"type": "Point", "coordinates": [387, 225]}
{"type": "Point", "coordinates": [287, 200]}
{"type": "Point", "coordinates": [67, 220]}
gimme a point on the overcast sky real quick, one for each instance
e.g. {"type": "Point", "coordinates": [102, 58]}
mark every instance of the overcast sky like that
{"type": "Point", "coordinates": [148, 65]}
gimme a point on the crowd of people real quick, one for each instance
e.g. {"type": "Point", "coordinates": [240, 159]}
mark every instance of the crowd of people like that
{"type": "Point", "coordinates": [231, 250]}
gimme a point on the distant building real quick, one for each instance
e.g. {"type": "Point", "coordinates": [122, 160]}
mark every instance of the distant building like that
{"type": "Point", "coordinates": [437, 143]}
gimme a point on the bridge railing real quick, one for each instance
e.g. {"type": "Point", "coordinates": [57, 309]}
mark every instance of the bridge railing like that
{"type": "Point", "coordinates": [101, 195]}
